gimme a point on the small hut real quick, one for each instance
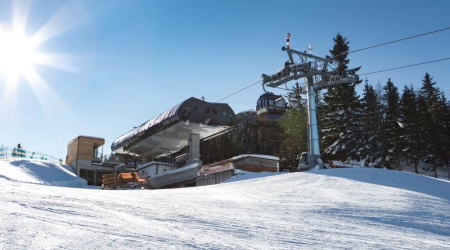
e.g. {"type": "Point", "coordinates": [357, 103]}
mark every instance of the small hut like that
{"type": "Point", "coordinates": [84, 155]}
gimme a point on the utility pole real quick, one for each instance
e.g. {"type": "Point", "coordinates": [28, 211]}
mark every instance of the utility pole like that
{"type": "Point", "coordinates": [318, 76]}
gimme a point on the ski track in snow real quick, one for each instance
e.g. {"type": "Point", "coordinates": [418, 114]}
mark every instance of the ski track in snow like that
{"type": "Point", "coordinates": [368, 209]}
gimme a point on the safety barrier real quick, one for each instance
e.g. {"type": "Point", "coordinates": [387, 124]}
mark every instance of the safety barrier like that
{"type": "Point", "coordinates": [12, 152]}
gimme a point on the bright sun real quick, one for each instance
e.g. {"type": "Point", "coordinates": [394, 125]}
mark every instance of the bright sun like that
{"type": "Point", "coordinates": [17, 54]}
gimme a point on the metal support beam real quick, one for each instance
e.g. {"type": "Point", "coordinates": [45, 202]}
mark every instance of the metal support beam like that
{"type": "Point", "coordinates": [194, 149]}
{"type": "Point", "coordinates": [314, 147]}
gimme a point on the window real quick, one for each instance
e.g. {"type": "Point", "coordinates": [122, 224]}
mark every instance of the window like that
{"type": "Point", "coordinates": [280, 102]}
{"type": "Point", "coordinates": [224, 114]}
{"type": "Point", "coordinates": [98, 152]}
{"type": "Point", "coordinates": [95, 152]}
{"type": "Point", "coordinates": [214, 111]}
{"type": "Point", "coordinates": [207, 110]}
{"type": "Point", "coordinates": [88, 175]}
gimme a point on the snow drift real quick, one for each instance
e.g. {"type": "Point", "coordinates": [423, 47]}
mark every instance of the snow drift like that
{"type": "Point", "coordinates": [40, 172]}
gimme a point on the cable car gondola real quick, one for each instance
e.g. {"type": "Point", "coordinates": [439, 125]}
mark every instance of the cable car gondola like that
{"type": "Point", "coordinates": [270, 106]}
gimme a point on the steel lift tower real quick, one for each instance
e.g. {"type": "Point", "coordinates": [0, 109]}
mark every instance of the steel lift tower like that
{"type": "Point", "coordinates": [319, 75]}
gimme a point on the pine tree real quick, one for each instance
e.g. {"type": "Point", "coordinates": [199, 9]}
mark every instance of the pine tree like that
{"type": "Point", "coordinates": [391, 144]}
{"type": "Point", "coordinates": [252, 135]}
{"type": "Point", "coordinates": [423, 120]}
{"type": "Point", "coordinates": [446, 128]}
{"type": "Point", "coordinates": [248, 134]}
{"type": "Point", "coordinates": [342, 112]}
{"type": "Point", "coordinates": [294, 124]}
{"type": "Point", "coordinates": [294, 96]}
{"type": "Point", "coordinates": [428, 112]}
{"type": "Point", "coordinates": [370, 124]}
{"type": "Point", "coordinates": [270, 137]}
{"type": "Point", "coordinates": [410, 136]}
{"type": "Point", "coordinates": [439, 112]}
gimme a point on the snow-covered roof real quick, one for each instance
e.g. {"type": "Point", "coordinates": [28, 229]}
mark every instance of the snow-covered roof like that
{"type": "Point", "coordinates": [168, 132]}
{"type": "Point", "coordinates": [268, 157]}
{"type": "Point", "coordinates": [147, 125]}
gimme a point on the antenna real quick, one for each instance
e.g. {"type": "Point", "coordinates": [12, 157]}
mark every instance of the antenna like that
{"type": "Point", "coordinates": [287, 40]}
{"type": "Point", "coordinates": [310, 49]}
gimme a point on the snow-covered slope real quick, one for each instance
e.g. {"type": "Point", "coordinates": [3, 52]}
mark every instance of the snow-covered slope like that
{"type": "Point", "coordinates": [40, 172]}
{"type": "Point", "coordinates": [325, 209]}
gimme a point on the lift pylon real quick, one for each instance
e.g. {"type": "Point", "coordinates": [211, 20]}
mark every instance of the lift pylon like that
{"type": "Point", "coordinates": [319, 75]}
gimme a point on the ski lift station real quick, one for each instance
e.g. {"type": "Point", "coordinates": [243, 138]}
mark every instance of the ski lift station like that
{"type": "Point", "coordinates": [165, 150]}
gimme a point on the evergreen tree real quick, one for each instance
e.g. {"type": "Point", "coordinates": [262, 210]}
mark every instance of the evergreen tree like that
{"type": "Point", "coordinates": [294, 97]}
{"type": "Point", "coordinates": [439, 113]}
{"type": "Point", "coordinates": [428, 113]}
{"type": "Point", "coordinates": [423, 119]}
{"type": "Point", "coordinates": [218, 148]}
{"type": "Point", "coordinates": [410, 136]}
{"type": "Point", "coordinates": [270, 137]}
{"type": "Point", "coordinates": [391, 144]}
{"type": "Point", "coordinates": [295, 125]}
{"type": "Point", "coordinates": [446, 127]}
{"type": "Point", "coordinates": [251, 135]}
{"type": "Point", "coordinates": [342, 112]}
{"type": "Point", "coordinates": [248, 137]}
{"type": "Point", "coordinates": [371, 124]}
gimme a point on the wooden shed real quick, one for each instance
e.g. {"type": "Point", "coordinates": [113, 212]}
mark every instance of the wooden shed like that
{"type": "Point", "coordinates": [256, 163]}
{"type": "Point", "coordinates": [84, 155]}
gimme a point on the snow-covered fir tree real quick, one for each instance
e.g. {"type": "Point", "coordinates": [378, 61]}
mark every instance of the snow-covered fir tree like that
{"type": "Point", "coordinates": [390, 148]}
{"type": "Point", "coordinates": [410, 133]}
{"type": "Point", "coordinates": [370, 124]}
{"type": "Point", "coordinates": [428, 99]}
{"type": "Point", "coordinates": [342, 111]}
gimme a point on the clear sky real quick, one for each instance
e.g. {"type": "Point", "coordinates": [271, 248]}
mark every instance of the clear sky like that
{"type": "Point", "coordinates": [102, 67]}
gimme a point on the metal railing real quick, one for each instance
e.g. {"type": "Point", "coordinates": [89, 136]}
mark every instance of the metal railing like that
{"type": "Point", "coordinates": [13, 152]}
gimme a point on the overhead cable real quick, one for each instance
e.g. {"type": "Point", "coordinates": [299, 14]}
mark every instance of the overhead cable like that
{"type": "Point", "coordinates": [239, 91]}
{"type": "Point", "coordinates": [407, 66]}
{"type": "Point", "coordinates": [371, 47]}
{"type": "Point", "coordinates": [399, 40]}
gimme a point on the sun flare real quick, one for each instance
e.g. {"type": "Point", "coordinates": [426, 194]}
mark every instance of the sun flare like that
{"type": "Point", "coordinates": [17, 54]}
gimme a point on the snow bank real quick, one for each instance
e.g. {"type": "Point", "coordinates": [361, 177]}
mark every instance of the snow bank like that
{"type": "Point", "coordinates": [39, 172]}
{"type": "Point", "coordinates": [394, 179]}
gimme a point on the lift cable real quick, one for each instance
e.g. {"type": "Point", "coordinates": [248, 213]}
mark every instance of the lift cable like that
{"type": "Point", "coordinates": [369, 73]}
{"type": "Point", "coordinates": [399, 40]}
{"type": "Point", "coordinates": [407, 66]}
{"type": "Point", "coordinates": [239, 91]}
{"type": "Point", "coordinates": [371, 47]}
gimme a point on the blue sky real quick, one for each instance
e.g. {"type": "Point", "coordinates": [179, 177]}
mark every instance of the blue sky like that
{"type": "Point", "coordinates": [121, 63]}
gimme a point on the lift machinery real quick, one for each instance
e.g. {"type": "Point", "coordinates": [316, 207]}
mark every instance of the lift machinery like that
{"type": "Point", "coordinates": [319, 75]}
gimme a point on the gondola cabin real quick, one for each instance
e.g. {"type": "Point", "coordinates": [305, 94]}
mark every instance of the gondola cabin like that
{"type": "Point", "coordinates": [270, 106]}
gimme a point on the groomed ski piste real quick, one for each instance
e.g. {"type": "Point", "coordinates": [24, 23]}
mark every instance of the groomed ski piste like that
{"type": "Point", "coordinates": [45, 206]}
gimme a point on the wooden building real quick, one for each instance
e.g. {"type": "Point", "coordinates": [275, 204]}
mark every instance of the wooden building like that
{"type": "Point", "coordinates": [84, 155]}
{"type": "Point", "coordinates": [218, 172]}
{"type": "Point", "coordinates": [247, 162]}
{"type": "Point", "coordinates": [256, 163]}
